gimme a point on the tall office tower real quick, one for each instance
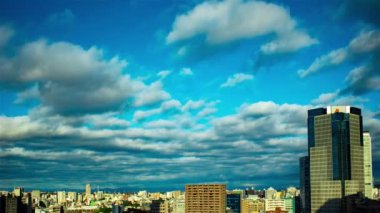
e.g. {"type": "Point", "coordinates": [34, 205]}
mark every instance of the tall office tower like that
{"type": "Point", "coordinates": [305, 183]}
{"type": "Point", "coordinates": [368, 181]}
{"type": "Point", "coordinates": [234, 202]}
{"type": "Point", "coordinates": [335, 147]}
{"type": "Point", "coordinates": [205, 198]}
{"type": "Point", "coordinates": [88, 189]}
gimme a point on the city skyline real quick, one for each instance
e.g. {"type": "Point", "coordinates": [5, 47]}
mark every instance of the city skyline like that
{"type": "Point", "coordinates": [155, 95]}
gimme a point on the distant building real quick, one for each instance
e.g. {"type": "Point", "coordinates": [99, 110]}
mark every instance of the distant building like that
{"type": "Point", "coordinates": [36, 194]}
{"type": "Point", "coordinates": [2, 203]}
{"type": "Point", "coordinates": [270, 193]}
{"type": "Point", "coordinates": [290, 205]}
{"type": "Point", "coordinates": [88, 189]}
{"type": "Point", "coordinates": [305, 184]}
{"type": "Point", "coordinates": [179, 205]}
{"type": "Point", "coordinates": [18, 191]}
{"type": "Point", "coordinates": [205, 198]}
{"type": "Point", "coordinates": [61, 197]}
{"type": "Point", "coordinates": [234, 202]}
{"type": "Point", "coordinates": [159, 206]}
{"type": "Point", "coordinates": [277, 210]}
{"type": "Point", "coordinates": [72, 196]}
{"type": "Point", "coordinates": [272, 204]}
{"type": "Point", "coordinates": [117, 208]}
{"type": "Point", "coordinates": [252, 206]}
{"type": "Point", "coordinates": [13, 204]}
{"type": "Point", "coordinates": [368, 179]}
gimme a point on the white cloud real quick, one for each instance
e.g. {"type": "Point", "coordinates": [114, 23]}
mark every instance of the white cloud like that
{"type": "Point", "coordinates": [165, 106]}
{"type": "Point", "coordinates": [335, 57]}
{"type": "Point", "coordinates": [186, 71]}
{"type": "Point", "coordinates": [164, 73]}
{"type": "Point", "coordinates": [206, 112]}
{"type": "Point", "coordinates": [231, 20]}
{"type": "Point", "coordinates": [335, 98]}
{"type": "Point", "coordinates": [162, 124]}
{"type": "Point", "coordinates": [193, 105]}
{"type": "Point", "coordinates": [367, 42]}
{"type": "Point", "coordinates": [325, 98]}
{"type": "Point", "coordinates": [151, 94]}
{"type": "Point", "coordinates": [236, 78]}
{"type": "Point", "coordinates": [289, 42]}
{"type": "Point", "coordinates": [263, 120]}
{"type": "Point", "coordinates": [70, 79]}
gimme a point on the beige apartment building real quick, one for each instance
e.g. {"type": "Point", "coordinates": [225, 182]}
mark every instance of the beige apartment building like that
{"type": "Point", "coordinates": [202, 198]}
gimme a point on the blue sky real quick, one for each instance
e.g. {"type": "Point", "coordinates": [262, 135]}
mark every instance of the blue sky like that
{"type": "Point", "coordinates": [156, 94]}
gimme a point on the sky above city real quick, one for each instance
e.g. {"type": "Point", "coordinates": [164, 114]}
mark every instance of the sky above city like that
{"type": "Point", "coordinates": [156, 94]}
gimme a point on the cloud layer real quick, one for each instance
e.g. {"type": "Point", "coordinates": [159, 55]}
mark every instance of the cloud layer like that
{"type": "Point", "coordinates": [232, 20]}
{"type": "Point", "coordinates": [362, 79]}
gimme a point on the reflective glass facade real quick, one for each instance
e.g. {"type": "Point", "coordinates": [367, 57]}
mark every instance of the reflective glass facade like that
{"type": "Point", "coordinates": [335, 145]}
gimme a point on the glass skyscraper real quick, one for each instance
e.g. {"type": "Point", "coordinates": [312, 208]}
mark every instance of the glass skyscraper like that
{"type": "Point", "coordinates": [335, 149]}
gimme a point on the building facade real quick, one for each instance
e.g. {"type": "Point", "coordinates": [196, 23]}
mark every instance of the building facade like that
{"type": "Point", "coordinates": [88, 189]}
{"type": "Point", "coordinates": [368, 179]}
{"type": "Point", "coordinates": [305, 183]}
{"type": "Point", "coordinates": [209, 198]}
{"type": "Point", "coordinates": [335, 147]}
{"type": "Point", "coordinates": [234, 202]}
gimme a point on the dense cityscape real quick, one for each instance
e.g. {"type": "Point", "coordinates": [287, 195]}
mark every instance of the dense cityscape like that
{"type": "Point", "coordinates": [190, 106]}
{"type": "Point", "coordinates": [336, 179]}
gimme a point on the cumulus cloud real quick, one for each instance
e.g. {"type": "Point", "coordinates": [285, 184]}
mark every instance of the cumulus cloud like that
{"type": "Point", "coordinates": [151, 94]}
{"type": "Point", "coordinates": [263, 120]}
{"type": "Point", "coordinates": [164, 107]}
{"type": "Point", "coordinates": [193, 105]}
{"type": "Point", "coordinates": [69, 78]}
{"type": "Point", "coordinates": [72, 80]}
{"type": "Point", "coordinates": [236, 79]}
{"type": "Point", "coordinates": [232, 20]}
{"type": "Point", "coordinates": [186, 71]}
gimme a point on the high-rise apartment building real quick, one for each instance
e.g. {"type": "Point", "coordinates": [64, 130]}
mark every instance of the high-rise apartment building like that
{"type": "Point", "coordinates": [61, 197]}
{"type": "Point", "coordinates": [368, 180]}
{"type": "Point", "coordinates": [335, 148]}
{"type": "Point", "coordinates": [88, 189]}
{"type": "Point", "coordinates": [209, 198]}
